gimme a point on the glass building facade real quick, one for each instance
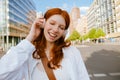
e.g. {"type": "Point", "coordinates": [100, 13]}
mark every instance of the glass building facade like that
{"type": "Point", "coordinates": [15, 21]}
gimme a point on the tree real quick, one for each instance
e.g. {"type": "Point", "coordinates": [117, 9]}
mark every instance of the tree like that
{"type": "Point", "coordinates": [95, 33]}
{"type": "Point", "coordinates": [74, 36]}
{"type": "Point", "coordinates": [92, 33]}
{"type": "Point", "coordinates": [85, 37]}
{"type": "Point", "coordinates": [99, 33]}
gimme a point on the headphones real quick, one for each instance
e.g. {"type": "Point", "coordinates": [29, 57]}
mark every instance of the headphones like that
{"type": "Point", "coordinates": [65, 33]}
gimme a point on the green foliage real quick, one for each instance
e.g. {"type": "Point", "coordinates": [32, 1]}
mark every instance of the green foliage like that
{"type": "Point", "coordinates": [99, 33]}
{"type": "Point", "coordinates": [74, 36]}
{"type": "Point", "coordinates": [95, 33]}
{"type": "Point", "coordinates": [92, 33]}
{"type": "Point", "coordinates": [85, 37]}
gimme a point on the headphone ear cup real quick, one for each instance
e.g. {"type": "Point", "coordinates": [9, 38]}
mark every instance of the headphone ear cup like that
{"type": "Point", "coordinates": [65, 33]}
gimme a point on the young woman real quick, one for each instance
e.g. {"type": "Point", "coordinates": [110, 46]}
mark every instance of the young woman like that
{"type": "Point", "coordinates": [46, 37]}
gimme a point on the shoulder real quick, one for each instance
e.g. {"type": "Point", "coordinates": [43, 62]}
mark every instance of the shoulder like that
{"type": "Point", "coordinates": [71, 48]}
{"type": "Point", "coordinates": [71, 51]}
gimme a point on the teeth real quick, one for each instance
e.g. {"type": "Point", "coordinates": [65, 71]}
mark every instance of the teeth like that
{"type": "Point", "coordinates": [53, 35]}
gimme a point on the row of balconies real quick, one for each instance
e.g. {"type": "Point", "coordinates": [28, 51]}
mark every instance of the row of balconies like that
{"type": "Point", "coordinates": [20, 27]}
{"type": "Point", "coordinates": [117, 9]}
{"type": "Point", "coordinates": [118, 17]}
{"type": "Point", "coordinates": [18, 31]}
{"type": "Point", "coordinates": [117, 2]}
{"type": "Point", "coordinates": [17, 34]}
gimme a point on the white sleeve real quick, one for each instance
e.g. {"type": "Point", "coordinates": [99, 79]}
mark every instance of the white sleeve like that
{"type": "Point", "coordinates": [80, 66]}
{"type": "Point", "coordinates": [15, 59]}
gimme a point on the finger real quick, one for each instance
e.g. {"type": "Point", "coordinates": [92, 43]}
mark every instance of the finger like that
{"type": "Point", "coordinates": [41, 21]}
{"type": "Point", "coordinates": [41, 18]}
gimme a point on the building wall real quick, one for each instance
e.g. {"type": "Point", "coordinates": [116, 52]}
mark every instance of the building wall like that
{"type": "Point", "coordinates": [81, 27]}
{"type": "Point", "coordinates": [3, 20]}
{"type": "Point", "coordinates": [74, 16]}
{"type": "Point", "coordinates": [117, 8]}
{"type": "Point", "coordinates": [91, 19]}
{"type": "Point", "coordinates": [107, 18]}
{"type": "Point", "coordinates": [104, 16]}
{"type": "Point", "coordinates": [78, 22]}
{"type": "Point", "coordinates": [18, 17]}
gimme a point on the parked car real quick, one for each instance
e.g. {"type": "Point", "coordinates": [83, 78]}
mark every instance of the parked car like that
{"type": "Point", "coordinates": [100, 40]}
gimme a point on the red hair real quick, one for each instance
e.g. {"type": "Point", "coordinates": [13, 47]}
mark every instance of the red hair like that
{"type": "Point", "coordinates": [40, 42]}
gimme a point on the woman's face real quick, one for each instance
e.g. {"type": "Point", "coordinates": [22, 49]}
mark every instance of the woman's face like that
{"type": "Point", "coordinates": [54, 28]}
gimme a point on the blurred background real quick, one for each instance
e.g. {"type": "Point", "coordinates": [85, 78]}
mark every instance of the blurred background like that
{"type": "Point", "coordinates": [94, 30]}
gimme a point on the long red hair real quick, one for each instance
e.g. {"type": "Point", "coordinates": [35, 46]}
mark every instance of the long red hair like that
{"type": "Point", "coordinates": [40, 42]}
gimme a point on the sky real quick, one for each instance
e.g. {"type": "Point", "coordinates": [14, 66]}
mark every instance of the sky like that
{"type": "Point", "coordinates": [43, 5]}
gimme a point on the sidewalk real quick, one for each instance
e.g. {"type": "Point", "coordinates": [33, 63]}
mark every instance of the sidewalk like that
{"type": "Point", "coordinates": [89, 44]}
{"type": "Point", "coordinates": [109, 43]}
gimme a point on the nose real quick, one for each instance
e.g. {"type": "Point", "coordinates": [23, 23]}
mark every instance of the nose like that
{"type": "Point", "coordinates": [56, 28]}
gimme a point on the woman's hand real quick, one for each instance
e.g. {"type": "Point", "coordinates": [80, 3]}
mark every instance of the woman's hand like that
{"type": "Point", "coordinates": [35, 29]}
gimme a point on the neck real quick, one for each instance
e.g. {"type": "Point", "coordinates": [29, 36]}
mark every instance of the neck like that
{"type": "Point", "coordinates": [48, 49]}
{"type": "Point", "coordinates": [49, 46]}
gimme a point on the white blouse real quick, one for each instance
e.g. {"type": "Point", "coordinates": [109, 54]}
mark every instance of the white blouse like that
{"type": "Point", "coordinates": [61, 73]}
{"type": "Point", "coordinates": [69, 69]}
{"type": "Point", "coordinates": [17, 64]}
{"type": "Point", "coordinates": [39, 74]}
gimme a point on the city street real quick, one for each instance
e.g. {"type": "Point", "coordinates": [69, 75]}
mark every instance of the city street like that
{"type": "Point", "coordinates": [93, 26]}
{"type": "Point", "coordinates": [102, 61]}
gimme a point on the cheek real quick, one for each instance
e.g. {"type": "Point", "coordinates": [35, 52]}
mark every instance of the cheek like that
{"type": "Point", "coordinates": [45, 29]}
{"type": "Point", "coordinates": [47, 26]}
{"type": "Point", "coordinates": [61, 33]}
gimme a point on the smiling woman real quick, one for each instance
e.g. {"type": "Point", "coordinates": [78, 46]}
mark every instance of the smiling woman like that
{"type": "Point", "coordinates": [44, 54]}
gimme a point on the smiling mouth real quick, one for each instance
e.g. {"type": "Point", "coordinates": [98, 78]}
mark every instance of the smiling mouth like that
{"type": "Point", "coordinates": [52, 36]}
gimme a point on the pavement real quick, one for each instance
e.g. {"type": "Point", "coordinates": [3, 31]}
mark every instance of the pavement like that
{"type": "Point", "coordinates": [89, 44]}
{"type": "Point", "coordinates": [102, 60]}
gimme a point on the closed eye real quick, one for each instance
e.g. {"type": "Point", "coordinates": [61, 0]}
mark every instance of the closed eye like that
{"type": "Point", "coordinates": [52, 23]}
{"type": "Point", "coordinates": [62, 27]}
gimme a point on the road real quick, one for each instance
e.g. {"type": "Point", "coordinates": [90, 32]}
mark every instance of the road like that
{"type": "Point", "coordinates": [102, 61]}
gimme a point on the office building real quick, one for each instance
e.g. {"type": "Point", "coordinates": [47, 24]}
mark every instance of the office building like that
{"type": "Point", "coordinates": [102, 15]}
{"type": "Point", "coordinates": [15, 21]}
{"type": "Point", "coordinates": [74, 16]}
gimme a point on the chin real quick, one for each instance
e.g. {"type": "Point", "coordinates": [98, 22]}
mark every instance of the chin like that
{"type": "Point", "coordinates": [51, 41]}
